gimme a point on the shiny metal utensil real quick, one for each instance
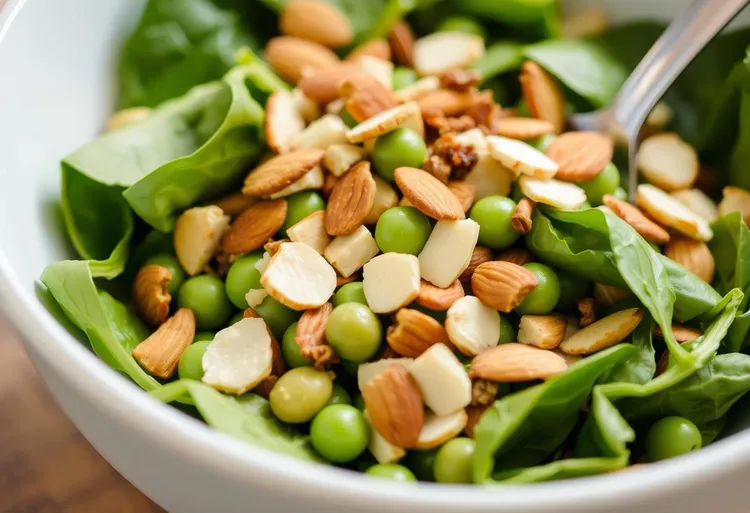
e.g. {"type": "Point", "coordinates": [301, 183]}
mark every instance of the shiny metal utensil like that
{"type": "Point", "coordinates": [685, 37]}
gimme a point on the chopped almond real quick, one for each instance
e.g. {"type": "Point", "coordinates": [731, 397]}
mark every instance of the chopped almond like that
{"type": "Point", "coordinates": [472, 326]}
{"type": "Point", "coordinates": [542, 331]}
{"type": "Point", "coordinates": [299, 277]}
{"type": "Point", "coordinates": [348, 253]}
{"type": "Point", "coordinates": [442, 380]}
{"type": "Point", "coordinates": [669, 211]}
{"type": "Point", "coordinates": [448, 251]}
{"type": "Point", "coordinates": [390, 281]}
{"type": "Point", "coordinates": [521, 158]}
{"type": "Point", "coordinates": [443, 51]}
{"type": "Point", "coordinates": [160, 353]}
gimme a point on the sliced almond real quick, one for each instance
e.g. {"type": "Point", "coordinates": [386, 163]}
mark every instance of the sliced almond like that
{"type": "Point", "coordinates": [311, 231]}
{"type": "Point", "coordinates": [311, 338]}
{"type": "Point", "coordinates": [513, 363]}
{"type": "Point", "coordinates": [414, 333]}
{"type": "Point", "coordinates": [543, 95]}
{"type": "Point", "coordinates": [697, 201]}
{"type": "Point", "coordinates": [395, 406]}
{"type": "Point", "coordinates": [150, 296]}
{"type": "Point", "coordinates": [321, 133]}
{"type": "Point", "coordinates": [254, 297]}
{"type": "Point", "coordinates": [323, 86]}
{"type": "Point", "coordinates": [281, 171]}
{"type": "Point", "coordinates": [488, 176]}
{"type": "Point", "coordinates": [415, 91]}
{"type": "Point", "coordinates": [448, 251]}
{"type": "Point", "coordinates": [442, 380]}
{"type": "Point", "coordinates": [340, 158]}
{"type": "Point", "coordinates": [542, 331]}
{"type": "Point", "coordinates": [521, 218]}
{"type": "Point", "coordinates": [502, 285]}
{"type": "Point", "coordinates": [160, 353]}
{"type": "Point", "coordinates": [351, 200]}
{"type": "Point", "coordinates": [390, 281]}
{"type": "Point", "coordinates": [125, 117]}
{"type": "Point", "coordinates": [554, 193]}
{"type": "Point", "coordinates": [377, 68]}
{"type": "Point", "coordinates": [693, 255]}
{"type": "Point", "coordinates": [464, 192]}
{"type": "Point", "coordinates": [385, 122]}
{"type": "Point", "coordinates": [581, 156]}
{"type": "Point", "coordinates": [660, 116]}
{"type": "Point", "coordinates": [428, 194]}
{"type": "Point", "coordinates": [438, 430]}
{"type": "Point", "coordinates": [401, 40]}
{"type": "Point", "coordinates": [668, 162]}
{"type": "Point", "coordinates": [519, 256]}
{"type": "Point", "coordinates": [348, 253]}
{"type": "Point", "coordinates": [239, 357]}
{"type": "Point", "coordinates": [461, 80]}
{"type": "Point", "coordinates": [379, 447]}
{"type": "Point", "coordinates": [197, 233]}
{"type": "Point", "coordinates": [254, 227]}
{"type": "Point", "coordinates": [472, 326]}
{"type": "Point", "coordinates": [234, 204]}
{"type": "Point", "coordinates": [385, 198]}
{"type": "Point", "coordinates": [310, 181]}
{"type": "Point", "coordinates": [479, 255]}
{"type": "Point", "coordinates": [524, 129]}
{"type": "Point", "coordinates": [735, 200]}
{"type": "Point", "coordinates": [439, 299]}
{"type": "Point", "coordinates": [309, 110]}
{"type": "Point", "coordinates": [587, 311]}
{"type": "Point", "coordinates": [377, 48]}
{"type": "Point", "coordinates": [681, 333]}
{"type": "Point", "coordinates": [670, 212]}
{"type": "Point", "coordinates": [635, 218]}
{"type": "Point", "coordinates": [365, 96]}
{"type": "Point", "coordinates": [603, 333]}
{"type": "Point", "coordinates": [607, 295]}
{"type": "Point", "coordinates": [299, 277]}
{"type": "Point", "coordinates": [444, 102]}
{"type": "Point", "coordinates": [442, 51]}
{"type": "Point", "coordinates": [521, 158]}
{"type": "Point", "coordinates": [317, 21]}
{"type": "Point", "coordinates": [367, 371]}
{"type": "Point", "coordinates": [283, 121]}
{"type": "Point", "coordinates": [290, 56]}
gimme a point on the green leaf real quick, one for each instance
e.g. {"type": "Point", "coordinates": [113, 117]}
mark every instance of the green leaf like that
{"type": "Point", "coordinates": [536, 18]}
{"type": "Point", "coordinates": [741, 153]}
{"type": "Point", "coordinates": [499, 58]}
{"type": "Point", "coordinates": [641, 366]}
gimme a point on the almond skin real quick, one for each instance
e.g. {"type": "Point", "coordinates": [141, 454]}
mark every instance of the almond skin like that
{"type": "Point", "coordinates": [428, 194]}
{"type": "Point", "coordinates": [160, 353]}
{"type": "Point", "coordinates": [433, 297]}
{"type": "Point", "coordinates": [681, 333]}
{"type": "Point", "coordinates": [518, 256]}
{"type": "Point", "coordinates": [254, 227]}
{"type": "Point", "coordinates": [523, 128]}
{"type": "Point", "coordinates": [580, 155]}
{"type": "Point", "coordinates": [521, 218]}
{"type": "Point", "coordinates": [395, 406]}
{"type": "Point", "coordinates": [587, 311]}
{"type": "Point", "coordinates": [377, 48]}
{"type": "Point", "coordinates": [401, 40]}
{"type": "Point", "coordinates": [479, 255]}
{"type": "Point", "coordinates": [234, 204]}
{"type": "Point", "coordinates": [604, 333]}
{"type": "Point", "coordinates": [316, 21]}
{"type": "Point", "coordinates": [542, 331]}
{"type": "Point", "coordinates": [351, 200]}
{"type": "Point", "coordinates": [502, 285]}
{"type": "Point", "coordinates": [150, 295]}
{"type": "Point", "coordinates": [543, 95]}
{"type": "Point", "coordinates": [365, 96]}
{"type": "Point", "coordinates": [311, 338]}
{"type": "Point", "coordinates": [648, 229]}
{"type": "Point", "coordinates": [445, 102]}
{"type": "Point", "coordinates": [693, 255]}
{"type": "Point", "coordinates": [281, 171]}
{"type": "Point", "coordinates": [464, 191]}
{"type": "Point", "coordinates": [512, 363]}
{"type": "Point", "coordinates": [414, 333]}
{"type": "Point", "coordinates": [323, 86]}
{"type": "Point", "coordinates": [290, 56]}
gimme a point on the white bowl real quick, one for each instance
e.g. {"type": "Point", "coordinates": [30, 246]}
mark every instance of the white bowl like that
{"type": "Point", "coordinates": [57, 77]}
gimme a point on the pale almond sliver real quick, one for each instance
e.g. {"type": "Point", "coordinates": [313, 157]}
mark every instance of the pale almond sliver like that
{"type": "Point", "coordinates": [671, 212]}
{"type": "Point", "coordinates": [384, 122]}
{"type": "Point", "coordinates": [668, 162]}
{"type": "Point", "coordinates": [521, 157]}
{"type": "Point", "coordinates": [603, 333]}
{"type": "Point", "coordinates": [554, 193]}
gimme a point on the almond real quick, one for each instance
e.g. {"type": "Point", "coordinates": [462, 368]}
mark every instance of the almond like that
{"type": "Point", "coordinates": [439, 429]}
{"type": "Point", "coordinates": [483, 392]}
{"type": "Point", "coordinates": [648, 229]}
{"type": "Point", "coordinates": [472, 326]}
{"type": "Point", "coordinates": [308, 108]}
{"type": "Point", "coordinates": [607, 295]}
{"type": "Point", "coordinates": [278, 368]}
{"type": "Point", "coordinates": [150, 296]}
{"type": "Point", "coordinates": [521, 158]}
{"type": "Point", "coordinates": [329, 182]}
{"type": "Point", "coordinates": [407, 115]}
{"type": "Point", "coordinates": [197, 234]}
{"type": "Point", "coordinates": [668, 211]}
{"type": "Point", "coordinates": [489, 176]}
{"type": "Point", "coordinates": [381, 70]}
{"type": "Point", "coordinates": [668, 162]}
{"type": "Point", "coordinates": [234, 204]}
{"type": "Point", "coordinates": [316, 21]}
{"type": "Point", "coordinates": [735, 200]}
{"type": "Point", "coordinates": [395, 406]}
{"type": "Point", "coordinates": [479, 255]}
{"type": "Point", "coordinates": [445, 102]}
{"type": "Point", "coordinates": [524, 128]}
{"type": "Point", "coordinates": [442, 380]}
{"type": "Point", "coordinates": [348, 253]}
{"type": "Point", "coordinates": [283, 121]}
{"type": "Point", "coordinates": [310, 336]}
{"type": "Point", "coordinates": [603, 333]}
{"type": "Point", "coordinates": [299, 277]}
{"type": "Point", "coordinates": [160, 353]}
{"type": "Point", "coordinates": [321, 133]}
{"type": "Point", "coordinates": [581, 155]}
{"type": "Point", "coordinates": [448, 251]}
{"type": "Point", "coordinates": [381, 450]}
{"type": "Point", "coordinates": [390, 281]}
{"type": "Point", "coordinates": [351, 200]}
{"type": "Point", "coordinates": [385, 198]}
{"type": "Point", "coordinates": [401, 40]}
{"type": "Point", "coordinates": [340, 158]}
{"type": "Point", "coordinates": [323, 86]}
{"type": "Point", "coordinates": [281, 171]}
{"type": "Point", "coordinates": [681, 333]}
{"type": "Point", "coordinates": [464, 191]}
{"type": "Point", "coordinates": [474, 415]}
{"type": "Point", "coordinates": [254, 227]}
{"type": "Point", "coordinates": [436, 298]}
{"type": "Point", "coordinates": [377, 48]}
{"type": "Point", "coordinates": [513, 363]}
{"type": "Point", "coordinates": [291, 56]}
{"type": "Point", "coordinates": [587, 311]}
{"type": "Point", "coordinates": [543, 95]}
{"type": "Point", "coordinates": [693, 255]}
{"type": "Point", "coordinates": [416, 90]}
{"type": "Point", "coordinates": [428, 194]}
{"type": "Point", "coordinates": [414, 332]}
{"type": "Point", "coordinates": [340, 280]}
{"type": "Point", "coordinates": [697, 201]}
{"type": "Point", "coordinates": [519, 256]}
{"type": "Point", "coordinates": [461, 80]}
{"type": "Point", "coordinates": [521, 218]}
{"type": "Point", "coordinates": [366, 372]}
{"type": "Point", "coordinates": [554, 193]}
{"type": "Point", "coordinates": [542, 331]}
{"type": "Point", "coordinates": [442, 51]}
{"type": "Point", "coordinates": [502, 285]}
{"type": "Point", "coordinates": [311, 231]}
{"type": "Point", "coordinates": [365, 96]}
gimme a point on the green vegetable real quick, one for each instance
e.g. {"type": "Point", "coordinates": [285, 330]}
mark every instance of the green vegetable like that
{"type": "Point", "coordinates": [606, 182]}
{"type": "Point", "coordinates": [203, 335]}
{"type": "Point", "coordinates": [339, 433]}
{"type": "Point", "coordinates": [299, 206]}
{"type": "Point", "coordinates": [241, 277]}
{"type": "Point", "coordinates": [403, 77]}
{"type": "Point", "coordinates": [401, 147]}
{"type": "Point", "coordinates": [402, 230]}
{"type": "Point", "coordinates": [206, 297]}
{"type": "Point", "coordinates": [352, 292]}
{"type": "Point", "coordinates": [191, 361]}
{"type": "Point", "coordinates": [670, 437]}
{"type": "Point", "coordinates": [354, 332]}
{"type": "Point", "coordinates": [493, 215]}
{"type": "Point", "coordinates": [422, 463]}
{"type": "Point", "coordinates": [299, 394]}
{"type": "Point", "coordinates": [453, 461]}
{"type": "Point", "coordinates": [499, 58]}
{"type": "Point", "coordinates": [392, 471]}
{"type": "Point", "coordinates": [531, 18]}
{"type": "Point", "coordinates": [278, 317]}
{"type": "Point", "coordinates": [545, 296]}
{"type": "Point", "coordinates": [462, 24]}
{"type": "Point", "coordinates": [572, 289]}
{"type": "Point", "coordinates": [173, 266]}
{"type": "Point", "coordinates": [339, 395]}
{"type": "Point", "coordinates": [641, 365]}
{"type": "Point", "coordinates": [290, 349]}
{"type": "Point", "coordinates": [507, 330]}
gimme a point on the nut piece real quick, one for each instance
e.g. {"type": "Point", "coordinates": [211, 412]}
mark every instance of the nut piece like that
{"type": "Point", "coordinates": [377, 68]}
{"type": "Point", "coordinates": [323, 86]}
{"type": "Point", "coordinates": [125, 117]}
{"type": "Point", "coordinates": [443, 51]}
{"type": "Point", "coordinates": [401, 39]}
{"type": "Point", "coordinates": [395, 406]}
{"type": "Point", "coordinates": [299, 277]}
{"type": "Point", "coordinates": [603, 333]}
{"type": "Point", "coordinates": [290, 56]}
{"type": "Point", "coordinates": [377, 48]}
{"type": "Point", "coordinates": [414, 333]}
{"type": "Point", "coordinates": [150, 295]}
{"type": "Point", "coordinates": [321, 133]}
{"type": "Point", "coordinates": [512, 363]}
{"type": "Point", "coordinates": [521, 219]}
{"type": "Point", "coordinates": [367, 371]}
{"type": "Point", "coordinates": [581, 155]}
{"type": "Point", "coordinates": [197, 234]}
{"type": "Point", "coordinates": [254, 227]}
{"type": "Point", "coordinates": [543, 95]}
{"type": "Point", "coordinates": [519, 256]}
{"type": "Point", "coordinates": [348, 253]}
{"type": "Point", "coordinates": [483, 392]}
{"type": "Point", "coordinates": [607, 295]}
{"type": "Point", "coordinates": [272, 247]}
{"type": "Point", "coordinates": [697, 201]}
{"type": "Point", "coordinates": [382, 451]}
{"type": "Point", "coordinates": [464, 192]}
{"type": "Point", "coordinates": [278, 368]}
{"type": "Point", "coordinates": [542, 331]}
{"type": "Point", "coordinates": [311, 337]}
{"type": "Point", "coordinates": [438, 430]}
{"type": "Point", "coordinates": [351, 200]}
{"type": "Point", "coordinates": [160, 353]}
{"type": "Point", "coordinates": [316, 21]}
{"type": "Point", "coordinates": [472, 326]}
{"type": "Point", "coordinates": [234, 204]}
{"type": "Point", "coordinates": [489, 176]}
{"type": "Point", "coordinates": [587, 311]}
{"type": "Point", "coordinates": [648, 229]}
{"type": "Point", "coordinates": [668, 162]}
{"type": "Point", "coordinates": [448, 251]}
{"type": "Point", "coordinates": [312, 180]}
{"type": "Point", "coordinates": [436, 298]}
{"type": "Point", "coordinates": [428, 194]}
{"type": "Point", "coordinates": [390, 281]}
{"type": "Point", "coordinates": [735, 199]}
{"type": "Point", "coordinates": [283, 121]}
{"type": "Point", "coordinates": [340, 158]}
{"type": "Point", "coordinates": [502, 285]}
{"type": "Point", "coordinates": [479, 255]}
{"type": "Point", "coordinates": [281, 171]}
{"type": "Point", "coordinates": [444, 102]}
{"type": "Point", "coordinates": [311, 231]}
{"type": "Point", "coordinates": [681, 333]}
{"type": "Point", "coordinates": [365, 96]}
{"type": "Point", "coordinates": [309, 110]}
{"type": "Point", "coordinates": [524, 129]}
{"type": "Point", "coordinates": [385, 198]}
{"type": "Point", "coordinates": [387, 121]}
{"type": "Point", "coordinates": [693, 255]}
{"type": "Point", "coordinates": [461, 80]}
{"type": "Point", "coordinates": [521, 158]}
{"type": "Point", "coordinates": [416, 90]}
{"type": "Point", "coordinates": [667, 210]}
{"type": "Point", "coordinates": [554, 193]}
{"type": "Point", "coordinates": [442, 379]}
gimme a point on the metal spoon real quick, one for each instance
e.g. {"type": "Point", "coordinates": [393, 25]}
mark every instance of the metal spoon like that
{"type": "Point", "coordinates": [685, 37]}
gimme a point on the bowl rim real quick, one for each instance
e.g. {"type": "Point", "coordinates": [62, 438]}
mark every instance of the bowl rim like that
{"type": "Point", "coordinates": [257, 466]}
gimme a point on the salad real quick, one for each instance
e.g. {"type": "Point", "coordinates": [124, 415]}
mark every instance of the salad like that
{"type": "Point", "coordinates": [361, 233]}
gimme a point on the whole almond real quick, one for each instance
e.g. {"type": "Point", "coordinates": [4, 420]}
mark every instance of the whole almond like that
{"type": "Point", "coordinates": [604, 333]}
{"type": "Point", "coordinates": [521, 218]}
{"type": "Point", "coordinates": [543, 95]}
{"type": "Point", "coordinates": [351, 200]}
{"type": "Point", "coordinates": [445, 102]}
{"type": "Point", "coordinates": [542, 331]}
{"type": "Point", "coordinates": [290, 57]}
{"type": "Point", "coordinates": [316, 21]}
{"type": "Point", "coordinates": [401, 39]}
{"type": "Point", "coordinates": [365, 96]}
{"type": "Point", "coordinates": [323, 86]}
{"type": "Point", "coordinates": [254, 226]}
{"type": "Point", "coordinates": [693, 255]}
{"type": "Point", "coordinates": [502, 285]}
{"type": "Point", "coordinates": [433, 297]}
{"type": "Point", "coordinates": [648, 229]}
{"type": "Point", "coordinates": [160, 353]}
{"type": "Point", "coordinates": [512, 363]}
{"type": "Point", "coordinates": [281, 171]}
{"type": "Point", "coordinates": [479, 255]}
{"type": "Point", "coordinates": [428, 194]}
{"type": "Point", "coordinates": [377, 48]}
{"type": "Point", "coordinates": [464, 191]}
{"type": "Point", "coordinates": [414, 333]}
{"type": "Point", "coordinates": [394, 403]}
{"type": "Point", "coordinates": [523, 128]}
{"type": "Point", "coordinates": [519, 256]}
{"type": "Point", "coordinates": [580, 155]}
{"type": "Point", "coordinates": [311, 337]}
{"type": "Point", "coordinates": [150, 296]}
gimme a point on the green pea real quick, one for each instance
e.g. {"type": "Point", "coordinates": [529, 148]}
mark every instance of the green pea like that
{"type": "Point", "coordinates": [277, 316]}
{"type": "Point", "coordinates": [402, 230]}
{"type": "Point", "coordinates": [359, 402]}
{"type": "Point", "coordinates": [290, 349]}
{"type": "Point", "coordinates": [351, 368]}
{"type": "Point", "coordinates": [493, 214]}
{"type": "Point", "coordinates": [171, 263]}
{"type": "Point", "coordinates": [672, 436]}
{"type": "Point", "coordinates": [462, 24]}
{"type": "Point", "coordinates": [339, 395]}
{"type": "Point", "coordinates": [339, 433]}
{"type": "Point", "coordinates": [191, 361]}
{"type": "Point", "coordinates": [299, 394]}
{"type": "Point", "coordinates": [243, 276]}
{"type": "Point", "coordinates": [352, 292]}
{"type": "Point", "coordinates": [572, 289]}
{"type": "Point", "coordinates": [206, 297]}
{"type": "Point", "coordinates": [204, 335]}
{"type": "Point", "coordinates": [453, 461]}
{"type": "Point", "coordinates": [422, 463]}
{"type": "Point", "coordinates": [348, 119]}
{"type": "Point", "coordinates": [507, 330]}
{"type": "Point", "coordinates": [354, 331]}
{"type": "Point", "coordinates": [403, 77]}
{"type": "Point", "coordinates": [300, 205]}
{"type": "Point", "coordinates": [606, 182]}
{"type": "Point", "coordinates": [543, 142]}
{"type": "Point", "coordinates": [392, 471]}
{"type": "Point", "coordinates": [545, 296]}
{"type": "Point", "coordinates": [398, 148]}
{"type": "Point", "coordinates": [620, 194]}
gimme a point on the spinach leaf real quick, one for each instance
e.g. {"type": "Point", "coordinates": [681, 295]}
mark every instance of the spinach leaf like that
{"type": "Point", "coordinates": [247, 418]}
{"type": "Point", "coordinates": [641, 366]}
{"type": "Point", "coordinates": [628, 43]}
{"type": "Point", "coordinates": [499, 58]}
{"type": "Point", "coordinates": [126, 326]}
{"type": "Point", "coordinates": [535, 18]}
{"type": "Point", "coordinates": [741, 152]}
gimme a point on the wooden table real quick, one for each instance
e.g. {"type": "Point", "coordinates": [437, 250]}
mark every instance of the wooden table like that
{"type": "Point", "coordinates": [46, 466]}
